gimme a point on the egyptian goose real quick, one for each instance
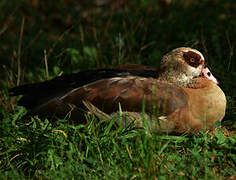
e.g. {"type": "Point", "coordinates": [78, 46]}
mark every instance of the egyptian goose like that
{"type": "Point", "coordinates": [182, 96]}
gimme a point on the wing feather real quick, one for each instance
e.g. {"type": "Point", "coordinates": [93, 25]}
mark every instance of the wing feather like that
{"type": "Point", "coordinates": [135, 93]}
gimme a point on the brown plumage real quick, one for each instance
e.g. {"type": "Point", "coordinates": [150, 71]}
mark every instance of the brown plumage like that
{"type": "Point", "coordinates": [178, 101]}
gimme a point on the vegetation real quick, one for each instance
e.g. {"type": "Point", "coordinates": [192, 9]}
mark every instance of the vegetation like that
{"type": "Point", "coordinates": [71, 36]}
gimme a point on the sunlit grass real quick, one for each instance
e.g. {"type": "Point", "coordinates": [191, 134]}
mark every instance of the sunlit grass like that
{"type": "Point", "coordinates": [102, 149]}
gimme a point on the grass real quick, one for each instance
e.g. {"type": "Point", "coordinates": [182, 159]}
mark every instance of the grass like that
{"type": "Point", "coordinates": [32, 148]}
{"type": "Point", "coordinates": [70, 37]}
{"type": "Point", "coordinates": [101, 150]}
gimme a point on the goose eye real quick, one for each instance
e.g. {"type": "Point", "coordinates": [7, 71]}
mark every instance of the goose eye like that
{"type": "Point", "coordinates": [192, 60]}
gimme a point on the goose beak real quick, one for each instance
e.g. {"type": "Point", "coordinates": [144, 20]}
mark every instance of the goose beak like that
{"type": "Point", "coordinates": [207, 74]}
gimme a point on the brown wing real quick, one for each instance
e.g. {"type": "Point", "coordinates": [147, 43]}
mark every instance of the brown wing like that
{"type": "Point", "coordinates": [133, 93]}
{"type": "Point", "coordinates": [37, 95]}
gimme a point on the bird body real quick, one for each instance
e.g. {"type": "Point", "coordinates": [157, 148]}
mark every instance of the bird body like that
{"type": "Point", "coordinates": [175, 98]}
{"type": "Point", "coordinates": [186, 109]}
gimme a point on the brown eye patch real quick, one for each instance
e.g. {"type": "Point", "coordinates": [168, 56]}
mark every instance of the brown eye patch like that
{"type": "Point", "coordinates": [193, 59]}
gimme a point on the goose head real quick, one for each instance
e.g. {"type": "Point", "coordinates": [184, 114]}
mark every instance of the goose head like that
{"type": "Point", "coordinates": [181, 65]}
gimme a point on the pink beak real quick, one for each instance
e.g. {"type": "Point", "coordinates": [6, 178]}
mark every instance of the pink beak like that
{"type": "Point", "coordinates": [207, 74]}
